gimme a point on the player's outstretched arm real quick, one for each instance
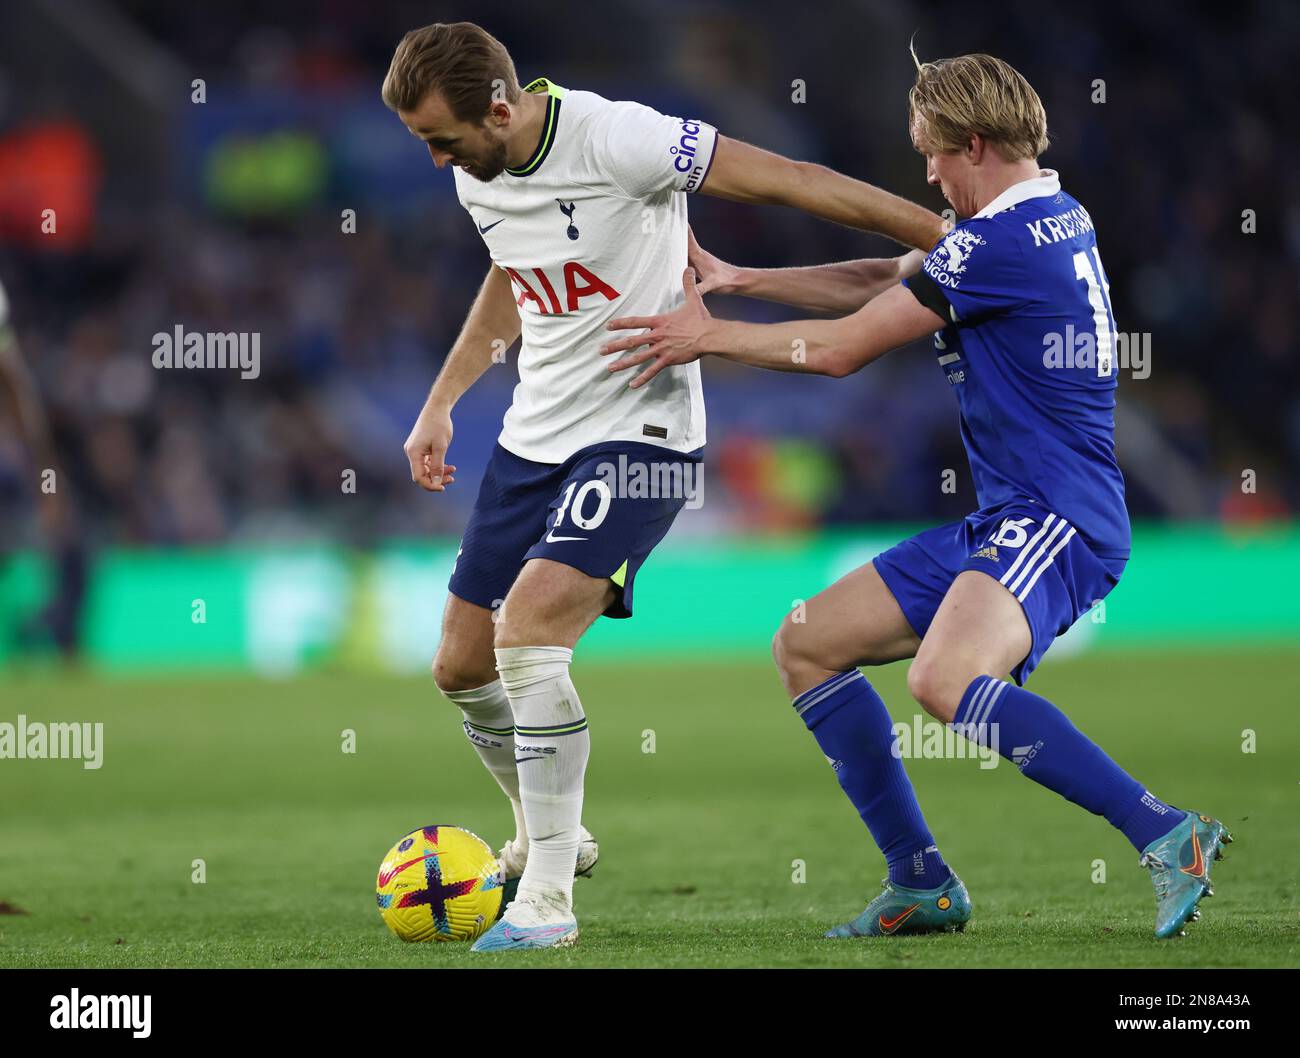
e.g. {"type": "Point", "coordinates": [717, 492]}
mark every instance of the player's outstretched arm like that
{"type": "Point", "coordinates": [819, 347]}
{"type": "Point", "coordinates": [491, 326]}
{"type": "Point", "coordinates": [839, 288]}
{"type": "Point", "coordinates": [744, 173]}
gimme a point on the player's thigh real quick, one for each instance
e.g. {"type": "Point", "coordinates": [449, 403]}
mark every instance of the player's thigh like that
{"type": "Point", "coordinates": [551, 604]}
{"type": "Point", "coordinates": [856, 621]}
{"type": "Point", "coordinates": [465, 658]}
{"type": "Point", "coordinates": [979, 630]}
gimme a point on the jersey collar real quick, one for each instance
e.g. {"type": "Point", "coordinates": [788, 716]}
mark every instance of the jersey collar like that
{"type": "Point", "coordinates": [1047, 182]}
{"type": "Point", "coordinates": [554, 95]}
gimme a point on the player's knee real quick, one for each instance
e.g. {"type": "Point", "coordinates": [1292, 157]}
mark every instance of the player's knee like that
{"type": "Point", "coordinates": [794, 653]}
{"type": "Point", "coordinates": [934, 687]}
{"type": "Point", "coordinates": [779, 648]}
{"type": "Point", "coordinates": [508, 634]}
{"type": "Point", "coordinates": [455, 674]}
{"type": "Point", "coordinates": [785, 650]}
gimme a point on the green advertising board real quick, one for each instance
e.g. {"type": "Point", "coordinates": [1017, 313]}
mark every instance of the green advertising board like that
{"type": "Point", "coordinates": [280, 609]}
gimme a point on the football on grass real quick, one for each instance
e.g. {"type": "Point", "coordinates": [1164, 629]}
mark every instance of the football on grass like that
{"type": "Point", "coordinates": [439, 883]}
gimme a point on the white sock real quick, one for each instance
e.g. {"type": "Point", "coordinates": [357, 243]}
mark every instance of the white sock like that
{"type": "Point", "coordinates": [490, 727]}
{"type": "Point", "coordinates": [551, 749]}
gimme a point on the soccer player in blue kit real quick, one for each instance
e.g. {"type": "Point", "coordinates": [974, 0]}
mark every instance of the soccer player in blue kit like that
{"type": "Point", "coordinates": [975, 603]}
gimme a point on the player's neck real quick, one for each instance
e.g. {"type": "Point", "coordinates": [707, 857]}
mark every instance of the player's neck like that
{"type": "Point", "coordinates": [1008, 174]}
{"type": "Point", "coordinates": [526, 134]}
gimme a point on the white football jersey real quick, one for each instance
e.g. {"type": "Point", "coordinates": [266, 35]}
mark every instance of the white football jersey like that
{"type": "Point", "coordinates": [593, 227]}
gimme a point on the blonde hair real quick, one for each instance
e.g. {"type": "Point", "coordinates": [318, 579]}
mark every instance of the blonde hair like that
{"type": "Point", "coordinates": [976, 95]}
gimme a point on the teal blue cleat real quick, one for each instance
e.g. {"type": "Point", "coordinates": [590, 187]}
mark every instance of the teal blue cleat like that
{"type": "Point", "coordinates": [505, 937]}
{"type": "Point", "coordinates": [944, 909]}
{"type": "Point", "coordinates": [1180, 870]}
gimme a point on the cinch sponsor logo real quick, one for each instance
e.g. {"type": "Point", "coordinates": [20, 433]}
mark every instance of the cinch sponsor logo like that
{"type": "Point", "coordinates": [76, 1011]}
{"type": "Point", "coordinates": [33, 740]}
{"type": "Point", "coordinates": [199, 350]}
{"type": "Point", "coordinates": [686, 146]}
{"type": "Point", "coordinates": [685, 150]}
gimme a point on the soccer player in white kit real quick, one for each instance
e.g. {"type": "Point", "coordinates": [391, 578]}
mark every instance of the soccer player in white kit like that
{"type": "Point", "coordinates": [581, 203]}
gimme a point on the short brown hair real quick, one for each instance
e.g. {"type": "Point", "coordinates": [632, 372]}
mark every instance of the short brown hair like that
{"type": "Point", "coordinates": [462, 62]}
{"type": "Point", "coordinates": [955, 99]}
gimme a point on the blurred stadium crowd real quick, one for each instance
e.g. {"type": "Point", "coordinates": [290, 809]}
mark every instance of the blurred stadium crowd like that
{"type": "Point", "coordinates": [228, 215]}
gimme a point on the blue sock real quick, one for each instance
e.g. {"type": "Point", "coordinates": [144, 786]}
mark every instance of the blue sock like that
{"type": "Point", "coordinates": [1039, 739]}
{"type": "Point", "coordinates": [853, 729]}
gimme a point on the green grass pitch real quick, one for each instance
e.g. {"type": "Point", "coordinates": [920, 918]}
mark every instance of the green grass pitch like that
{"type": "Point", "coordinates": [699, 839]}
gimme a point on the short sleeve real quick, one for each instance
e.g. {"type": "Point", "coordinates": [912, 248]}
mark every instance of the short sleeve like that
{"type": "Point", "coordinates": [644, 152]}
{"type": "Point", "coordinates": [975, 272]}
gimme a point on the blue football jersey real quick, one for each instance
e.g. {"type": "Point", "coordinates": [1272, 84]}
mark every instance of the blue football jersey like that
{"type": "Point", "coordinates": [1029, 350]}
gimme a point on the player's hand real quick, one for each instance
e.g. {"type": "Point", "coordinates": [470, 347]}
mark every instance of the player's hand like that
{"type": "Point", "coordinates": [716, 276]}
{"type": "Point", "coordinates": [426, 449]}
{"type": "Point", "coordinates": [910, 263]}
{"type": "Point", "coordinates": [672, 338]}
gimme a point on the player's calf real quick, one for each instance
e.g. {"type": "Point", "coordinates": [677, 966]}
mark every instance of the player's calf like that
{"type": "Point", "coordinates": [547, 610]}
{"type": "Point", "coordinates": [464, 670]}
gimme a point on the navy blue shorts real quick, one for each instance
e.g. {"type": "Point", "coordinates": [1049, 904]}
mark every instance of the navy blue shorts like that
{"type": "Point", "coordinates": [1035, 553]}
{"type": "Point", "coordinates": [602, 511]}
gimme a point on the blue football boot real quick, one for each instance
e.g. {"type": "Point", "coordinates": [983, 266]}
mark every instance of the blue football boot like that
{"type": "Point", "coordinates": [944, 909]}
{"type": "Point", "coordinates": [505, 936]}
{"type": "Point", "coordinates": [1180, 870]}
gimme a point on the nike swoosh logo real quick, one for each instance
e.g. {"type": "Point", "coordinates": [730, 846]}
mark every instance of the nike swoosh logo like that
{"type": "Point", "coordinates": [483, 231]}
{"type": "Point", "coordinates": [1198, 861]}
{"type": "Point", "coordinates": [559, 539]}
{"type": "Point", "coordinates": [889, 925]}
{"type": "Point", "coordinates": [520, 760]}
{"type": "Point", "coordinates": [387, 876]}
{"type": "Point", "coordinates": [535, 931]}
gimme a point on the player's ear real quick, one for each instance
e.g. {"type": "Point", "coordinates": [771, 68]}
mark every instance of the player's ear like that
{"type": "Point", "coordinates": [975, 148]}
{"type": "Point", "coordinates": [499, 114]}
